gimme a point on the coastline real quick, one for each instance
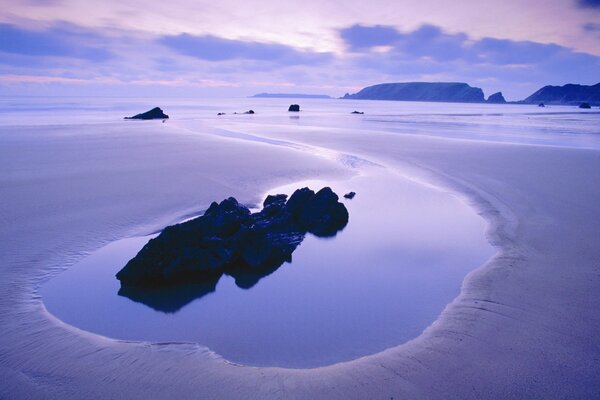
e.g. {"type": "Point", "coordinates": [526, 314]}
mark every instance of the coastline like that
{"type": "Point", "coordinates": [496, 340]}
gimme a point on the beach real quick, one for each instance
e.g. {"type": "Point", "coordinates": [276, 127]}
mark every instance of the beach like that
{"type": "Point", "coordinates": [525, 324]}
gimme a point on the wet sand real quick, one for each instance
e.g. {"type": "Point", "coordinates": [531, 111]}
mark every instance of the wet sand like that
{"type": "Point", "coordinates": [524, 326]}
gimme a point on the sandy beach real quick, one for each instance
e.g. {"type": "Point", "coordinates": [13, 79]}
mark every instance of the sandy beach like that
{"type": "Point", "coordinates": [524, 326]}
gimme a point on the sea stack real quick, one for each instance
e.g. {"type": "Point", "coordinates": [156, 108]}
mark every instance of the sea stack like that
{"type": "Point", "coordinates": [496, 98]}
{"type": "Point", "coordinates": [155, 113]}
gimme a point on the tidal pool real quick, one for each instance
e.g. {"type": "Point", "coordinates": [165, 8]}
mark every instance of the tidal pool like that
{"type": "Point", "coordinates": [377, 284]}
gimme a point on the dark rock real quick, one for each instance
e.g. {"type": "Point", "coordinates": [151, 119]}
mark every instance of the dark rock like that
{"type": "Point", "coordinates": [357, 112]}
{"type": "Point", "coordinates": [169, 299]}
{"type": "Point", "coordinates": [585, 105]}
{"type": "Point", "coordinates": [421, 91]}
{"type": "Point", "coordinates": [249, 112]}
{"type": "Point", "coordinates": [228, 239]}
{"type": "Point", "coordinates": [275, 199]}
{"type": "Point", "coordinates": [496, 98]}
{"type": "Point", "coordinates": [541, 105]}
{"type": "Point", "coordinates": [155, 113]}
{"type": "Point", "coordinates": [350, 195]}
{"type": "Point", "coordinates": [569, 94]}
{"type": "Point", "coordinates": [221, 113]}
{"type": "Point", "coordinates": [322, 214]}
{"type": "Point", "coordinates": [294, 107]}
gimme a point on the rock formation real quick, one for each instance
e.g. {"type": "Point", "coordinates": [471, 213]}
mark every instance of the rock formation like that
{"type": "Point", "coordinates": [155, 113]}
{"type": "Point", "coordinates": [569, 94]}
{"type": "Point", "coordinates": [294, 107]}
{"type": "Point", "coordinates": [229, 239]}
{"type": "Point", "coordinates": [421, 91]}
{"type": "Point", "coordinates": [496, 98]}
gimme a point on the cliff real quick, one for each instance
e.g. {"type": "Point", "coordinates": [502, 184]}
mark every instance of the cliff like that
{"type": "Point", "coordinates": [569, 94]}
{"type": "Point", "coordinates": [421, 91]}
{"type": "Point", "coordinates": [496, 98]}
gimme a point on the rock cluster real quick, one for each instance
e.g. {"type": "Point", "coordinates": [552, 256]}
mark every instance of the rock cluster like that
{"type": "Point", "coordinates": [230, 239]}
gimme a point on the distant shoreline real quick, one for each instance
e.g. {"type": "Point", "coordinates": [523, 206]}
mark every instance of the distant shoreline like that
{"type": "Point", "coordinates": [290, 96]}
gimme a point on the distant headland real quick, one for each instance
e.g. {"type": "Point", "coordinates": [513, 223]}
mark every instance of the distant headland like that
{"type": "Point", "coordinates": [421, 91]}
{"type": "Point", "coordinates": [459, 92]}
{"type": "Point", "coordinates": [569, 94]}
{"type": "Point", "coordinates": [291, 96]}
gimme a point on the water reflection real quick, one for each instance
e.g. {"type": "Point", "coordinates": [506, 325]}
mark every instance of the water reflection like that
{"type": "Point", "coordinates": [168, 299]}
{"type": "Point", "coordinates": [377, 284]}
{"type": "Point", "coordinates": [172, 298]}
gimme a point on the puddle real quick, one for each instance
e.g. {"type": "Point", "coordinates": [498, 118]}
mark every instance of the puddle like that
{"type": "Point", "coordinates": [379, 283]}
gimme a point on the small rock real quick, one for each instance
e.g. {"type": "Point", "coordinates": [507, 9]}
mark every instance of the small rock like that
{"type": "Point", "coordinates": [585, 105]}
{"type": "Point", "coordinates": [294, 108]}
{"type": "Point", "coordinates": [155, 113]}
{"type": "Point", "coordinates": [350, 195]}
{"type": "Point", "coordinates": [541, 105]}
{"type": "Point", "coordinates": [357, 112]}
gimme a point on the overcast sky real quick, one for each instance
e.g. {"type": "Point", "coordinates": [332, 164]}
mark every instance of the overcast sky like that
{"type": "Point", "coordinates": [238, 48]}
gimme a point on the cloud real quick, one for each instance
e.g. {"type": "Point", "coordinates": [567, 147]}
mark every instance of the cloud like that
{"type": "Point", "coordinates": [430, 43]}
{"type": "Point", "coordinates": [589, 3]}
{"type": "Point", "coordinates": [213, 48]}
{"type": "Point", "coordinates": [66, 54]}
{"type": "Point", "coordinates": [429, 53]}
{"type": "Point", "coordinates": [360, 37]}
{"type": "Point", "coordinates": [427, 41]}
{"type": "Point", "coordinates": [61, 40]}
{"type": "Point", "coordinates": [592, 28]}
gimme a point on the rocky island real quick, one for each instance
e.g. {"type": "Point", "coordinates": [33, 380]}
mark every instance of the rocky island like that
{"type": "Point", "coordinates": [421, 91]}
{"type": "Point", "coordinates": [569, 94]}
{"type": "Point", "coordinates": [229, 239]}
{"type": "Point", "coordinates": [155, 113]}
{"type": "Point", "coordinates": [496, 98]}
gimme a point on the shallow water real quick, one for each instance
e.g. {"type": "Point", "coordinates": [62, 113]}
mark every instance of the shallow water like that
{"type": "Point", "coordinates": [512, 123]}
{"type": "Point", "coordinates": [377, 284]}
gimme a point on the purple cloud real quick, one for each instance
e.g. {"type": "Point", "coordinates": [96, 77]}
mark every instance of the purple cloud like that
{"type": "Point", "coordinates": [593, 28]}
{"type": "Point", "coordinates": [430, 51]}
{"type": "Point", "coordinates": [589, 3]}
{"type": "Point", "coordinates": [360, 37]}
{"type": "Point", "coordinates": [58, 41]}
{"type": "Point", "coordinates": [213, 48]}
{"type": "Point", "coordinates": [432, 43]}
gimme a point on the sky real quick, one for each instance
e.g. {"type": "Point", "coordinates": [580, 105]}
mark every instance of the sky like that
{"type": "Point", "coordinates": [238, 48]}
